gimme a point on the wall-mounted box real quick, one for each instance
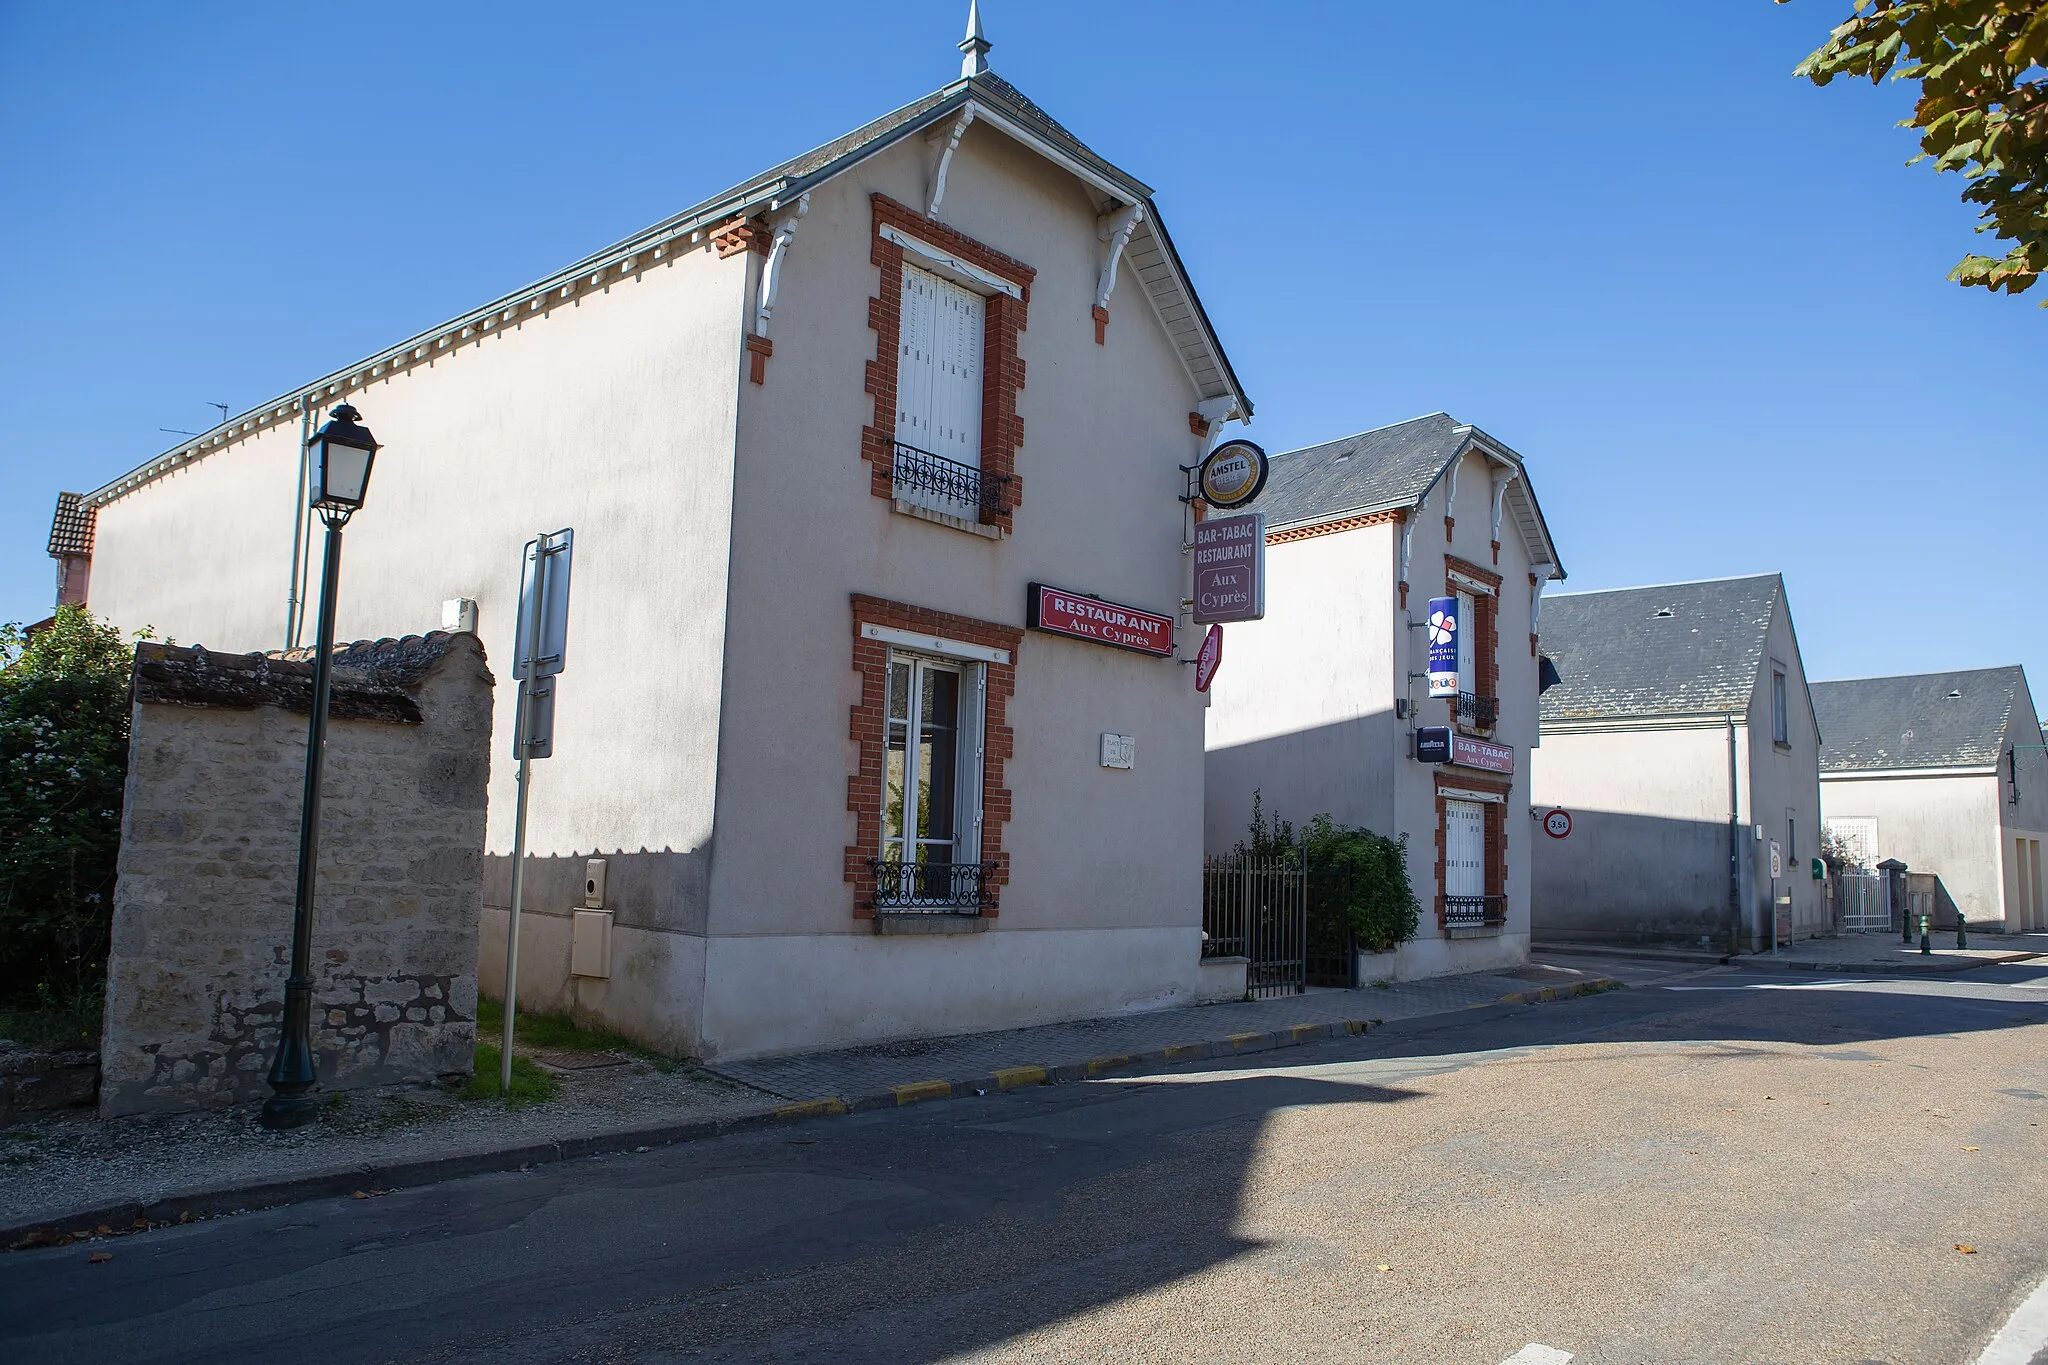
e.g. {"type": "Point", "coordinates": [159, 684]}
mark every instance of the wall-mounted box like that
{"type": "Point", "coordinates": [590, 943]}
{"type": "Point", "coordinates": [593, 883]}
{"type": "Point", "coordinates": [459, 614]}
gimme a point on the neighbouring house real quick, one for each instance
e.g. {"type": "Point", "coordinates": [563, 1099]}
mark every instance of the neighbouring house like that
{"type": "Point", "coordinates": [210, 858]}
{"type": "Point", "coordinates": [874, 464]}
{"type": "Point", "coordinates": [1680, 743]}
{"type": "Point", "coordinates": [1945, 773]}
{"type": "Point", "coordinates": [1317, 706]}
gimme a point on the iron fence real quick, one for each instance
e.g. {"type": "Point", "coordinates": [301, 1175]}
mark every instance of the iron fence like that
{"type": "Point", "coordinates": [1479, 712]}
{"type": "Point", "coordinates": [1257, 909]}
{"type": "Point", "coordinates": [929, 887]}
{"type": "Point", "coordinates": [920, 471]}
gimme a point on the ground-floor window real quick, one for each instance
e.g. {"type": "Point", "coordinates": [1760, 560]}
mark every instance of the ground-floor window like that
{"type": "Point", "coordinates": [929, 796]}
{"type": "Point", "coordinates": [1471, 843]}
{"type": "Point", "coordinates": [931, 793]}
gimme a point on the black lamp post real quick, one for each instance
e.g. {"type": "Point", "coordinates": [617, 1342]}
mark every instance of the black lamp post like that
{"type": "Point", "coordinates": [340, 455]}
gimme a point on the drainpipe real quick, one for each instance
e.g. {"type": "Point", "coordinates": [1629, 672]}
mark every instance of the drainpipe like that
{"type": "Point", "coordinates": [1734, 847]}
{"type": "Point", "coordinates": [294, 603]}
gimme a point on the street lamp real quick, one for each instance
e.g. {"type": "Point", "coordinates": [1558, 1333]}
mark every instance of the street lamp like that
{"type": "Point", "coordinates": [339, 455]}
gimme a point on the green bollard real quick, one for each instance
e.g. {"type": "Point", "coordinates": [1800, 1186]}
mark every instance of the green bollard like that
{"type": "Point", "coordinates": [1962, 931]}
{"type": "Point", "coordinates": [1925, 946]}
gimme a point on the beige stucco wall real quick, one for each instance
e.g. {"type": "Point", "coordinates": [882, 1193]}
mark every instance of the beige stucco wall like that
{"type": "Point", "coordinates": [1784, 787]}
{"type": "Point", "coordinates": [2025, 897]}
{"type": "Point", "coordinates": [1647, 856]}
{"type": "Point", "coordinates": [1946, 824]}
{"type": "Point", "coordinates": [1102, 910]}
{"type": "Point", "coordinates": [612, 414]}
{"type": "Point", "coordinates": [1303, 707]}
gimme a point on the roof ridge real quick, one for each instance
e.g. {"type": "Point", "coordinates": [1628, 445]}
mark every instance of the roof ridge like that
{"type": "Point", "coordinates": [1679, 583]}
{"type": "Point", "coordinates": [1935, 673]}
{"type": "Point", "coordinates": [1369, 431]}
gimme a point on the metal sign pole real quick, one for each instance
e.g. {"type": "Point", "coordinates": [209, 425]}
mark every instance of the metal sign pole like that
{"type": "Point", "coordinates": [518, 893]}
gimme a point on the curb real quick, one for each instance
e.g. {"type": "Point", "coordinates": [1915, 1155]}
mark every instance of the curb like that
{"type": "Point", "coordinates": [138, 1215]}
{"type": "Point", "coordinates": [1765, 964]}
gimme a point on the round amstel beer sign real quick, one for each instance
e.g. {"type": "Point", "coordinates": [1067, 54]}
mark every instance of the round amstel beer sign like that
{"type": "Point", "coordinates": [1233, 474]}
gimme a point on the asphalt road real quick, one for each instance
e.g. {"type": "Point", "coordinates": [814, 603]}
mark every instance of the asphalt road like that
{"type": "Point", "coordinates": [1715, 1166]}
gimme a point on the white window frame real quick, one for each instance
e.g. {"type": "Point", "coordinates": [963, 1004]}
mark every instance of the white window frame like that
{"type": "Point", "coordinates": [1468, 650]}
{"type": "Point", "coordinates": [1478, 810]}
{"type": "Point", "coordinates": [970, 662]}
{"type": "Point", "coordinates": [942, 364]}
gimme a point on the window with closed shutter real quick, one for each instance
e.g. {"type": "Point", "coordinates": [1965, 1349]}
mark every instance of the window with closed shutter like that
{"type": "Point", "coordinates": [938, 378]}
{"type": "Point", "coordinates": [1464, 849]}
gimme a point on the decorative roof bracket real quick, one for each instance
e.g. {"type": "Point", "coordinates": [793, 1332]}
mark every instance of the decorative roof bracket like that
{"type": "Point", "coordinates": [1115, 229]}
{"type": "Point", "coordinates": [1503, 479]}
{"type": "Point", "coordinates": [771, 271]}
{"type": "Point", "coordinates": [945, 159]}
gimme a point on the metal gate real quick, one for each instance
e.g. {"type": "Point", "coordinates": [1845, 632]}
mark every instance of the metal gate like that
{"type": "Point", "coordinates": [1866, 908]}
{"type": "Point", "coordinates": [1257, 909]}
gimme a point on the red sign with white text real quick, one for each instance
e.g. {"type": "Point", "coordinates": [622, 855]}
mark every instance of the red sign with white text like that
{"type": "Point", "coordinates": [1104, 623]}
{"type": "Point", "coordinates": [1477, 753]}
{"type": "Point", "coordinates": [1209, 658]}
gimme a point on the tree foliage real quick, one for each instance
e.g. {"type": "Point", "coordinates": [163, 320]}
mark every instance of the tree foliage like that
{"type": "Point", "coordinates": [63, 764]}
{"type": "Point", "coordinates": [1357, 880]}
{"type": "Point", "coordinates": [1982, 111]}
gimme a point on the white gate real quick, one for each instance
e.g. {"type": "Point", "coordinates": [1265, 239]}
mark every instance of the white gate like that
{"type": "Point", "coordinates": [1866, 903]}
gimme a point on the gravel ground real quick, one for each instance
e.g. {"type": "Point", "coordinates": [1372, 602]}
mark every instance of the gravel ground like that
{"type": "Point", "coordinates": [73, 1160]}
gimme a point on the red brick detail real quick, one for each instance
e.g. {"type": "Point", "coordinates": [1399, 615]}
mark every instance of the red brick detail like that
{"type": "Point", "coordinates": [1101, 316]}
{"type": "Point", "coordinates": [1496, 554]}
{"type": "Point", "coordinates": [1496, 834]}
{"type": "Point", "coordinates": [1330, 528]}
{"type": "Point", "coordinates": [759, 348]}
{"type": "Point", "coordinates": [1002, 430]}
{"type": "Point", "coordinates": [1471, 570]}
{"type": "Point", "coordinates": [867, 726]}
{"type": "Point", "coordinates": [742, 234]}
{"type": "Point", "coordinates": [1196, 426]}
{"type": "Point", "coordinates": [1532, 644]}
{"type": "Point", "coordinates": [1449, 522]}
{"type": "Point", "coordinates": [1485, 630]}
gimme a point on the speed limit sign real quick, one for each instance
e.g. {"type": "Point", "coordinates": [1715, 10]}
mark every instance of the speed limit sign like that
{"type": "Point", "coordinates": [1557, 824]}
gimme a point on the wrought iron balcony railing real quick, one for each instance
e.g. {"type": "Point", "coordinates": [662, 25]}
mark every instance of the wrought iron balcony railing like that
{"type": "Point", "coordinates": [930, 888]}
{"type": "Point", "coordinates": [1477, 712]}
{"type": "Point", "coordinates": [920, 471]}
{"type": "Point", "coordinates": [1469, 911]}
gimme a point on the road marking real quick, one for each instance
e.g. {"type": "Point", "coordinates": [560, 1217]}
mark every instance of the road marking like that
{"type": "Point", "coordinates": [2024, 1335]}
{"type": "Point", "coordinates": [1537, 1354]}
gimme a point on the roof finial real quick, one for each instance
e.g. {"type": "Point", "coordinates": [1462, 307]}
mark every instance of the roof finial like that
{"type": "Point", "coordinates": [975, 45]}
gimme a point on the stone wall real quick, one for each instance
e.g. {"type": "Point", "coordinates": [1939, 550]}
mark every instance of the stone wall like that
{"type": "Point", "coordinates": [209, 863]}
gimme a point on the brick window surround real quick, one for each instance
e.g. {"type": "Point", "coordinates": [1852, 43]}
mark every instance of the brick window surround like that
{"type": "Point", "coordinates": [1002, 369]}
{"type": "Point", "coordinates": [1485, 630]}
{"type": "Point", "coordinates": [1495, 814]}
{"type": "Point", "coordinates": [868, 727]}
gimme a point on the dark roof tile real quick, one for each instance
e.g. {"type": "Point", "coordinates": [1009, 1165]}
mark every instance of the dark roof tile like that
{"type": "Point", "coordinates": [1922, 720]}
{"type": "Point", "coordinates": [1674, 649]}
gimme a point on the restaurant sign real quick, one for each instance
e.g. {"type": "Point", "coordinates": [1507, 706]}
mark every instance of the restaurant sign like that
{"type": "Point", "coordinates": [1092, 618]}
{"type": "Point", "coordinates": [1230, 568]}
{"type": "Point", "coordinates": [1477, 753]}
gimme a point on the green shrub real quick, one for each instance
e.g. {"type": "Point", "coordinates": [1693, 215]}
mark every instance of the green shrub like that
{"type": "Point", "coordinates": [63, 764]}
{"type": "Point", "coordinates": [1357, 880]}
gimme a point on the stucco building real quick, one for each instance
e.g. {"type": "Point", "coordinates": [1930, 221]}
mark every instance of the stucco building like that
{"type": "Point", "coordinates": [1317, 705]}
{"type": "Point", "coordinates": [1681, 743]}
{"type": "Point", "coordinates": [823, 438]}
{"type": "Point", "coordinates": [1944, 772]}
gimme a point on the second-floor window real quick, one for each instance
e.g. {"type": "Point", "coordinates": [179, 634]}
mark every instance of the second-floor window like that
{"type": "Point", "coordinates": [939, 393]}
{"type": "Point", "coordinates": [1781, 726]}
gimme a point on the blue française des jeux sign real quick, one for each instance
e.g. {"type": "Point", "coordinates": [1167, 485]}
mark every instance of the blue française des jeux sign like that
{"type": "Point", "coordinates": [1443, 646]}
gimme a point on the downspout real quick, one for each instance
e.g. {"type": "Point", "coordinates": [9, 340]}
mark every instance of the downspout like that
{"type": "Point", "coordinates": [294, 602]}
{"type": "Point", "coordinates": [1734, 847]}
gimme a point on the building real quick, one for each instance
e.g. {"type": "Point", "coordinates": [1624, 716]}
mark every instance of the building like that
{"type": "Point", "coordinates": [1944, 772]}
{"type": "Point", "coordinates": [1317, 706]}
{"type": "Point", "coordinates": [837, 445]}
{"type": "Point", "coordinates": [1680, 743]}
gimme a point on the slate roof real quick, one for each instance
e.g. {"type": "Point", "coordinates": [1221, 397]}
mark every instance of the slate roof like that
{"type": "Point", "coordinates": [1671, 650]}
{"type": "Point", "coordinates": [71, 528]}
{"type": "Point", "coordinates": [1923, 720]}
{"type": "Point", "coordinates": [373, 679]}
{"type": "Point", "coordinates": [1149, 257]}
{"type": "Point", "coordinates": [1385, 469]}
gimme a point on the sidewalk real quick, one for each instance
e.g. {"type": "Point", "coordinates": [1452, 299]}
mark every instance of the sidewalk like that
{"type": "Point", "coordinates": [72, 1175]}
{"type": "Point", "coordinates": [1881, 954]}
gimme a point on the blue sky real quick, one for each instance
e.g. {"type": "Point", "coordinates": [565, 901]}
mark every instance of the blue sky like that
{"type": "Point", "coordinates": [1705, 300]}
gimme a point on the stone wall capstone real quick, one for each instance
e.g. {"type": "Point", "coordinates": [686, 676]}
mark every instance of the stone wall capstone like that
{"type": "Point", "coordinates": [209, 865]}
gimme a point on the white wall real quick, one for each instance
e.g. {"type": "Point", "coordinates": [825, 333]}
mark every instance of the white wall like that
{"type": "Point", "coordinates": [1947, 825]}
{"type": "Point", "coordinates": [2024, 897]}
{"type": "Point", "coordinates": [1102, 910]}
{"type": "Point", "coordinates": [1784, 787]}
{"type": "Point", "coordinates": [612, 414]}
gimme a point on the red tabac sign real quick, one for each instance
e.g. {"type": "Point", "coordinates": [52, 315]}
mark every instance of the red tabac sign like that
{"type": "Point", "coordinates": [1208, 659]}
{"type": "Point", "coordinates": [1477, 753]}
{"type": "Point", "coordinates": [1105, 623]}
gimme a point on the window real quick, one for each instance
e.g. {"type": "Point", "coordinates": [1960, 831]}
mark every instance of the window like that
{"type": "Point", "coordinates": [1781, 727]}
{"type": "Point", "coordinates": [938, 395]}
{"type": "Point", "coordinates": [930, 855]}
{"type": "Point", "coordinates": [1468, 643]}
{"type": "Point", "coordinates": [1791, 838]}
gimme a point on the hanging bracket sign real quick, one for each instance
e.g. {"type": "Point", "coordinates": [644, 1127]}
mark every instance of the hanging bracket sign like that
{"type": "Point", "coordinates": [1232, 475]}
{"type": "Point", "coordinates": [1095, 619]}
{"type": "Point", "coordinates": [1230, 568]}
{"type": "Point", "coordinates": [1209, 658]}
{"type": "Point", "coordinates": [1443, 646]}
